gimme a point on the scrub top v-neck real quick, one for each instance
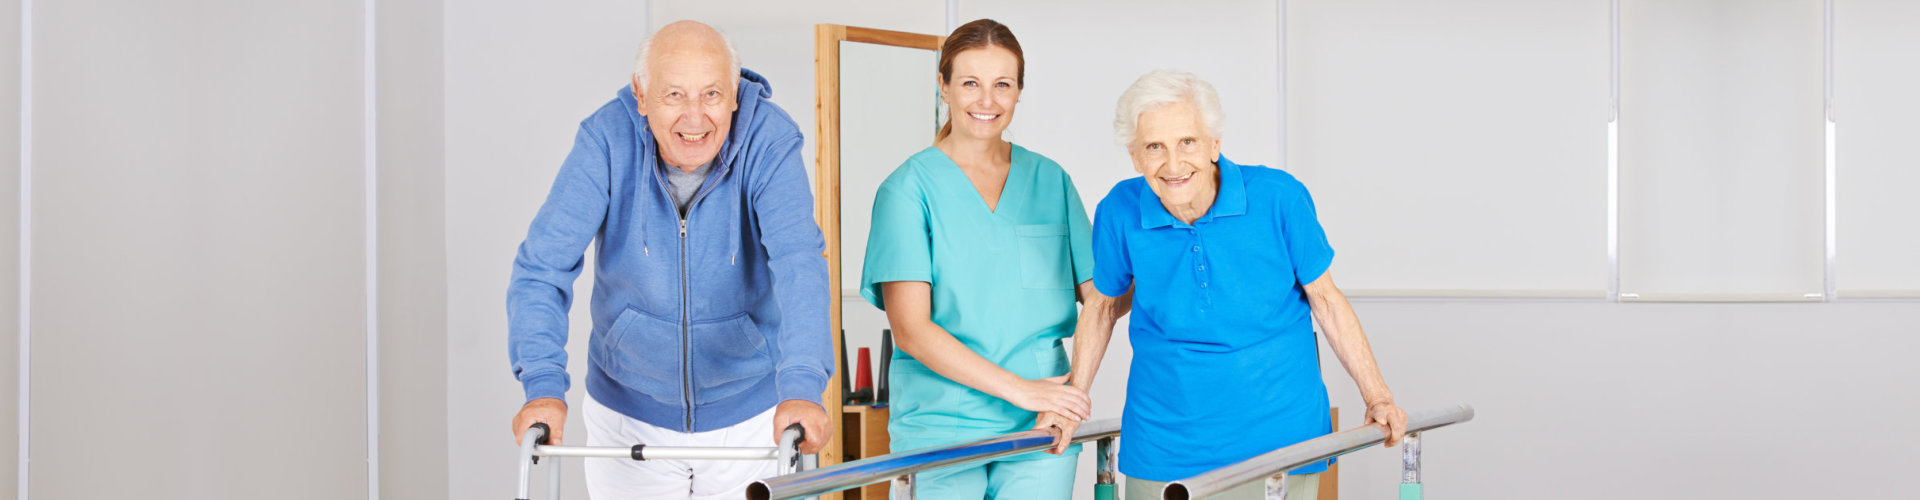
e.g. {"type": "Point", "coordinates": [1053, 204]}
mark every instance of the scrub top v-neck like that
{"type": "Point", "coordinates": [1002, 279]}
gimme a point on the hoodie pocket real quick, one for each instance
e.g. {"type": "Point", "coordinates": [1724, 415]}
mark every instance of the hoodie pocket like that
{"type": "Point", "coordinates": [1043, 257]}
{"type": "Point", "coordinates": [729, 356]}
{"type": "Point", "coordinates": [642, 352]}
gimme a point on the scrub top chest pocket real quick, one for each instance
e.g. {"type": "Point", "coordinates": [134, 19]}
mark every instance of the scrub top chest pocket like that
{"type": "Point", "coordinates": [1044, 260]}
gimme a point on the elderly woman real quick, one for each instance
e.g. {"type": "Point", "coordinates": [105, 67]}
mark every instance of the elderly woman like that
{"type": "Point", "coordinates": [1226, 263]}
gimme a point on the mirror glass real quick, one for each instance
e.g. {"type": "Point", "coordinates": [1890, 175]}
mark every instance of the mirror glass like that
{"type": "Point", "coordinates": [889, 109]}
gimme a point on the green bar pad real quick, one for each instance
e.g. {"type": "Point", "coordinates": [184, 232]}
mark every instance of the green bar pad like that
{"type": "Point", "coordinates": [1103, 491]}
{"type": "Point", "coordinates": [1410, 491]}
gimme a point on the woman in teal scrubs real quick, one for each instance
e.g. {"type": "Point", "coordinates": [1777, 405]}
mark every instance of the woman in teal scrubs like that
{"type": "Point", "coordinates": [976, 250]}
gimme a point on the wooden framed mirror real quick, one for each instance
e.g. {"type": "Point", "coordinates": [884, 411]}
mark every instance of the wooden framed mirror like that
{"type": "Point", "coordinates": [876, 103]}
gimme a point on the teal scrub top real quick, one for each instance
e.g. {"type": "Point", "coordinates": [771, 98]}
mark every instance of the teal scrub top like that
{"type": "Point", "coordinates": [1003, 284]}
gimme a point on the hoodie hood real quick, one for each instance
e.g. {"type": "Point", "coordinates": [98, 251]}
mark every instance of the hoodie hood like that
{"type": "Point", "coordinates": [752, 94]}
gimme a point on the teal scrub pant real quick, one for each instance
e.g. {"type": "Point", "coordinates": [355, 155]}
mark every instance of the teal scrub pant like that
{"type": "Point", "coordinates": [1023, 478]}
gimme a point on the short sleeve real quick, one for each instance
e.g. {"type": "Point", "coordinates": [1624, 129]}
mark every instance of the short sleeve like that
{"type": "Point", "coordinates": [898, 242]}
{"type": "Point", "coordinates": [1112, 267]}
{"type": "Point", "coordinates": [1079, 235]}
{"type": "Point", "coordinates": [1306, 241]}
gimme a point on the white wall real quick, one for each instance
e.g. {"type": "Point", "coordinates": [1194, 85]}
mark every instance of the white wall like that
{"type": "Point", "coordinates": [1720, 147]}
{"type": "Point", "coordinates": [412, 249]}
{"type": "Point", "coordinates": [9, 245]}
{"type": "Point", "coordinates": [1581, 400]}
{"type": "Point", "coordinates": [1874, 106]}
{"type": "Point", "coordinates": [1454, 146]}
{"type": "Point", "coordinates": [198, 250]}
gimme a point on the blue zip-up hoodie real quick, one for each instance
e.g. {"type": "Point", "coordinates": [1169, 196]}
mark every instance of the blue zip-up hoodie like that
{"type": "Point", "coordinates": [695, 327]}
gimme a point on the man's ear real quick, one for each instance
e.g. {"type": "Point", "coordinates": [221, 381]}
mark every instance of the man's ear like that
{"type": "Point", "coordinates": [639, 96]}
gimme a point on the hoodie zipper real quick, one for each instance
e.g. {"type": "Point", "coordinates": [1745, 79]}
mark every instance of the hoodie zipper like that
{"type": "Point", "coordinates": [686, 319]}
{"type": "Point", "coordinates": [686, 295]}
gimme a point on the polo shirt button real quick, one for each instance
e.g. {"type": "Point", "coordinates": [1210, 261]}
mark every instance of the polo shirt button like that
{"type": "Point", "coordinates": [1203, 284]}
{"type": "Point", "coordinates": [1203, 268]}
{"type": "Point", "coordinates": [1196, 248]}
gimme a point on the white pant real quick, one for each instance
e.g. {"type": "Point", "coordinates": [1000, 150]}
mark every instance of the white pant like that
{"type": "Point", "coordinates": [610, 479]}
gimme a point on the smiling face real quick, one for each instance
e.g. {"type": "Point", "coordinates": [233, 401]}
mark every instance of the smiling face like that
{"type": "Point", "coordinates": [981, 92]}
{"type": "Point", "coordinates": [1173, 149]}
{"type": "Point", "coordinates": [689, 96]}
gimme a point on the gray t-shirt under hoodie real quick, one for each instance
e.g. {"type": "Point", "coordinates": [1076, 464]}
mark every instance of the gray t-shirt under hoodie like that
{"type": "Point", "coordinates": [683, 184]}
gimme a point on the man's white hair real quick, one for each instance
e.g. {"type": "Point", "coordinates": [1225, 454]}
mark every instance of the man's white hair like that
{"type": "Point", "coordinates": [1165, 87]}
{"type": "Point", "coordinates": [640, 61]}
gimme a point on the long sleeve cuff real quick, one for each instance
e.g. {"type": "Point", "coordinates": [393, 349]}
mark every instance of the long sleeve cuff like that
{"type": "Point", "coordinates": [801, 384]}
{"type": "Point", "coordinates": [545, 385]}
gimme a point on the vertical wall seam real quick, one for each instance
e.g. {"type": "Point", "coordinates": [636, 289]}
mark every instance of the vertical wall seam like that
{"type": "Point", "coordinates": [1830, 266]}
{"type": "Point", "coordinates": [369, 142]}
{"type": "Point", "coordinates": [1613, 151]}
{"type": "Point", "coordinates": [953, 16]}
{"type": "Point", "coordinates": [1280, 43]}
{"type": "Point", "coordinates": [26, 241]}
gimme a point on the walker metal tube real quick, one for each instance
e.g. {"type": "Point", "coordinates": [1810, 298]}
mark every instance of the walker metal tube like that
{"type": "Point", "coordinates": [1313, 450]}
{"type": "Point", "coordinates": [896, 465]}
{"type": "Point", "coordinates": [533, 437]}
{"type": "Point", "coordinates": [553, 479]}
{"type": "Point", "coordinates": [660, 452]}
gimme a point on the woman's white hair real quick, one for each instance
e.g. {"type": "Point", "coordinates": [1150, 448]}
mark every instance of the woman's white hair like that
{"type": "Point", "coordinates": [640, 61]}
{"type": "Point", "coordinates": [1165, 87]}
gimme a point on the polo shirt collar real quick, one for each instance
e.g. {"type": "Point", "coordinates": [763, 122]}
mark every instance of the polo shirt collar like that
{"type": "Point", "coordinates": [1231, 199]}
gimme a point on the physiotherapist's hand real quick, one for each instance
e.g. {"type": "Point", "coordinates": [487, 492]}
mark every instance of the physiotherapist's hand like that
{"type": "Point", "coordinates": [1391, 418]}
{"type": "Point", "coordinates": [549, 410]}
{"type": "Point", "coordinates": [811, 418]}
{"type": "Point", "coordinates": [1062, 429]}
{"type": "Point", "coordinates": [1054, 395]}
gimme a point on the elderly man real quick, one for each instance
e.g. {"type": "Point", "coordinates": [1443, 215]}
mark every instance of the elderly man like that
{"type": "Point", "coordinates": [710, 292]}
{"type": "Point", "coordinates": [1225, 263]}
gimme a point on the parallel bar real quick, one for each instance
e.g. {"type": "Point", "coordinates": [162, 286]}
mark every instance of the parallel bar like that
{"type": "Point", "coordinates": [1299, 455]}
{"type": "Point", "coordinates": [896, 465]}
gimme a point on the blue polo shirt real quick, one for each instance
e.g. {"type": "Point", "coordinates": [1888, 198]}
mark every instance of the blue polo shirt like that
{"type": "Point", "coordinates": [1225, 365]}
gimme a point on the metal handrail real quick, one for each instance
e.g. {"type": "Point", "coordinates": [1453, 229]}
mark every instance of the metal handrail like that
{"type": "Point", "coordinates": [904, 464]}
{"type": "Point", "coordinates": [1273, 465]}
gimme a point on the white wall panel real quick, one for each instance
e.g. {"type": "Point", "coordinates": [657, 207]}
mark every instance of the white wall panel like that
{"type": "Point", "coordinates": [1721, 146]}
{"type": "Point", "coordinates": [1875, 42]}
{"type": "Point", "coordinates": [198, 250]}
{"type": "Point", "coordinates": [10, 46]}
{"type": "Point", "coordinates": [1454, 146]}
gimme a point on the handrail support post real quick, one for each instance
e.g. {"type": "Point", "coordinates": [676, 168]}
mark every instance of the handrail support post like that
{"type": "Point", "coordinates": [1103, 485]}
{"type": "Point", "coordinates": [1410, 488]}
{"type": "Point", "coordinates": [902, 488]}
{"type": "Point", "coordinates": [1277, 486]}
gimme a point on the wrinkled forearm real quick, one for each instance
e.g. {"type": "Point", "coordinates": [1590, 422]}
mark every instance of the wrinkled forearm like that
{"type": "Point", "coordinates": [1349, 342]}
{"type": "Point", "coordinates": [1093, 331]}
